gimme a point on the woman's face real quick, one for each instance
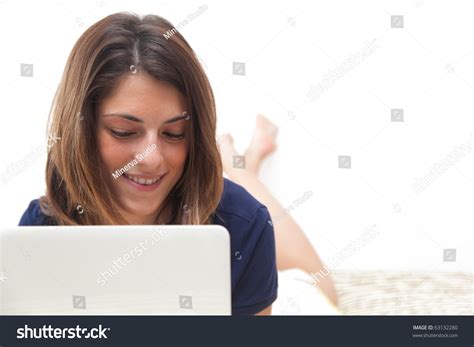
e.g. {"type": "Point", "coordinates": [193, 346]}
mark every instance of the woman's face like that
{"type": "Point", "coordinates": [142, 143]}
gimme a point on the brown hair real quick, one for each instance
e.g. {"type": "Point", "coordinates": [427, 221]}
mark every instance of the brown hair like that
{"type": "Point", "coordinates": [76, 188]}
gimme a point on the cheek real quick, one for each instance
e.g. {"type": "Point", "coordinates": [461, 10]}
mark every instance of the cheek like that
{"type": "Point", "coordinates": [111, 154]}
{"type": "Point", "coordinates": [176, 156]}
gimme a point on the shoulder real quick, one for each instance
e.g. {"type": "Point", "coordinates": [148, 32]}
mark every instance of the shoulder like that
{"type": "Point", "coordinates": [241, 214]}
{"type": "Point", "coordinates": [236, 202]}
{"type": "Point", "coordinates": [33, 215]}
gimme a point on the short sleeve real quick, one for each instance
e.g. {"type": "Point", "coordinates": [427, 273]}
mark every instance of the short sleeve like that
{"type": "Point", "coordinates": [34, 216]}
{"type": "Point", "coordinates": [257, 287]}
{"type": "Point", "coordinates": [27, 215]}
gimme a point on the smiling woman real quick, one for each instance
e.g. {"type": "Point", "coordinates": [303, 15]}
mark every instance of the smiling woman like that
{"type": "Point", "coordinates": [128, 83]}
{"type": "Point", "coordinates": [125, 89]}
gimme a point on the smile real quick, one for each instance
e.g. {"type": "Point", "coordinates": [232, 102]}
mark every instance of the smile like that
{"type": "Point", "coordinates": [143, 181]}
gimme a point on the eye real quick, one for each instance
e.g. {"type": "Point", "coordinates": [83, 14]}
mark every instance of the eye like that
{"type": "Point", "coordinates": [121, 134]}
{"type": "Point", "coordinates": [174, 137]}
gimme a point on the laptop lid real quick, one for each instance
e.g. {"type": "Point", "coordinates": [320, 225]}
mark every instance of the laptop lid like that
{"type": "Point", "coordinates": [115, 270]}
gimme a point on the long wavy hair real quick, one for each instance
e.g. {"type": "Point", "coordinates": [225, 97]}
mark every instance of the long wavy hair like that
{"type": "Point", "coordinates": [77, 192]}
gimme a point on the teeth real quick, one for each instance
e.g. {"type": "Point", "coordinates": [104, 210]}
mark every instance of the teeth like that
{"type": "Point", "coordinates": [143, 181]}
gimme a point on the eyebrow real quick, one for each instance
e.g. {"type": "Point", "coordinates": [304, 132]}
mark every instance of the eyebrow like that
{"type": "Point", "coordinates": [133, 118]}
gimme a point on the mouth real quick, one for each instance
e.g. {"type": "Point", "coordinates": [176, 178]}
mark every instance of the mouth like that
{"type": "Point", "coordinates": [144, 183]}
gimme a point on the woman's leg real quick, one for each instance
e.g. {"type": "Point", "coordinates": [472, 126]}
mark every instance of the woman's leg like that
{"type": "Point", "coordinates": [293, 249]}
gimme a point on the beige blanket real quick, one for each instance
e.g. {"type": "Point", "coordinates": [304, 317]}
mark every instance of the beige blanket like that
{"type": "Point", "coordinates": [377, 293]}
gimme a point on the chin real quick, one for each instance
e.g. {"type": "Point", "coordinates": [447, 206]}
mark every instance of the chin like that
{"type": "Point", "coordinates": [139, 209]}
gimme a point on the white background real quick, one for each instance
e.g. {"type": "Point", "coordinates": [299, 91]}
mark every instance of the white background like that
{"type": "Point", "coordinates": [424, 68]}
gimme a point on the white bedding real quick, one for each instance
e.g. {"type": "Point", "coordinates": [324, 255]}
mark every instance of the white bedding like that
{"type": "Point", "coordinates": [298, 296]}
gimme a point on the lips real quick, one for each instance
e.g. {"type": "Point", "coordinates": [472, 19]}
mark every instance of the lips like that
{"type": "Point", "coordinates": [143, 181]}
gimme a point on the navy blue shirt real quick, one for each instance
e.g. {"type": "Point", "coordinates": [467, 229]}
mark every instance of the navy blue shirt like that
{"type": "Point", "coordinates": [254, 273]}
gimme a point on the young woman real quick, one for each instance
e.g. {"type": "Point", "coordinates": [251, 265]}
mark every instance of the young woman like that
{"type": "Point", "coordinates": [136, 121]}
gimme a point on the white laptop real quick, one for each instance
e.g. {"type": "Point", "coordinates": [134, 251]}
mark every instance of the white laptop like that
{"type": "Point", "coordinates": [115, 270]}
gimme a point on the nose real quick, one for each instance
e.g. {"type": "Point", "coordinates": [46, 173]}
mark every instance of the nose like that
{"type": "Point", "coordinates": [151, 157]}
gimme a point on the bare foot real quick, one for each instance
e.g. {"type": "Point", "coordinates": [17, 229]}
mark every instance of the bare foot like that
{"type": "Point", "coordinates": [262, 144]}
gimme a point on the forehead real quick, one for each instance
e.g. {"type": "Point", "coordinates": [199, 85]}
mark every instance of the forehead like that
{"type": "Point", "coordinates": [144, 96]}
